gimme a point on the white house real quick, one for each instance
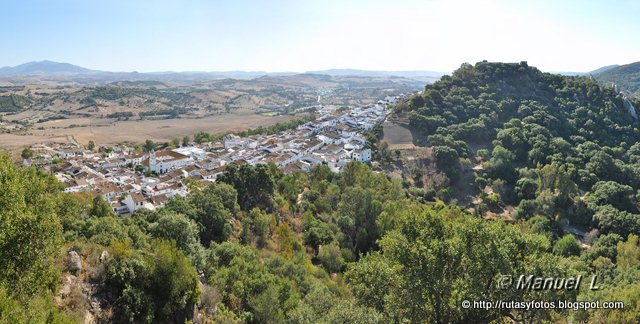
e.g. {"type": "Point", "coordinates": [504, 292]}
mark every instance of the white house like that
{"type": "Point", "coordinates": [312, 146]}
{"type": "Point", "coordinates": [195, 153]}
{"type": "Point", "coordinates": [232, 141]}
{"type": "Point", "coordinates": [66, 153]}
{"type": "Point", "coordinates": [362, 155]}
{"type": "Point", "coordinates": [330, 138]}
{"type": "Point", "coordinates": [134, 201]}
{"type": "Point", "coordinates": [164, 161]}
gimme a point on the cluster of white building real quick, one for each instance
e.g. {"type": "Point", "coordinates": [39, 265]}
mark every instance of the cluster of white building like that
{"type": "Point", "coordinates": [130, 181]}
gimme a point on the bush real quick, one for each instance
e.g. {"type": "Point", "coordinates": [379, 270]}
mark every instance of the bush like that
{"type": "Point", "coordinates": [330, 257]}
{"type": "Point", "coordinates": [493, 200]}
{"type": "Point", "coordinates": [567, 246]}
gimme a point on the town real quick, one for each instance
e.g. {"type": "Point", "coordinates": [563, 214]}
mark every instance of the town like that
{"type": "Point", "coordinates": [130, 181]}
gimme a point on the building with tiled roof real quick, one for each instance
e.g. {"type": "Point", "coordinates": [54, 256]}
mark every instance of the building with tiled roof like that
{"type": "Point", "coordinates": [164, 161]}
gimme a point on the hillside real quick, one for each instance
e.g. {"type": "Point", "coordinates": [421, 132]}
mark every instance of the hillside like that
{"type": "Point", "coordinates": [603, 69]}
{"type": "Point", "coordinates": [44, 67]}
{"type": "Point", "coordinates": [626, 77]}
{"type": "Point", "coordinates": [263, 246]}
{"type": "Point", "coordinates": [548, 145]}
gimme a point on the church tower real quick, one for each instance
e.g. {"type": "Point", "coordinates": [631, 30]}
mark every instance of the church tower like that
{"type": "Point", "coordinates": [152, 160]}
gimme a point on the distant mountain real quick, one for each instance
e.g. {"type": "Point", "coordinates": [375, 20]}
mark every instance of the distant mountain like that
{"type": "Point", "coordinates": [44, 67]}
{"type": "Point", "coordinates": [370, 73]}
{"type": "Point", "coordinates": [596, 71]}
{"type": "Point", "coordinates": [221, 74]}
{"type": "Point", "coordinates": [626, 77]}
{"type": "Point", "coordinates": [55, 71]}
{"type": "Point", "coordinates": [604, 68]}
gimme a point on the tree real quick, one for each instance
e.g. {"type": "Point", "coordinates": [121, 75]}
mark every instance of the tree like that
{"type": "Point", "coordinates": [254, 185]}
{"type": "Point", "coordinates": [358, 212]}
{"type": "Point", "coordinates": [526, 188]}
{"type": "Point", "coordinates": [149, 145]}
{"type": "Point", "coordinates": [201, 137]}
{"type": "Point", "coordinates": [315, 232]}
{"type": "Point", "coordinates": [211, 215]}
{"type": "Point", "coordinates": [556, 179]}
{"type": "Point", "coordinates": [247, 285]}
{"type": "Point", "coordinates": [433, 260]}
{"type": "Point", "coordinates": [227, 194]}
{"type": "Point", "coordinates": [320, 305]}
{"type": "Point", "coordinates": [37, 309]}
{"type": "Point", "coordinates": [613, 220]}
{"type": "Point", "coordinates": [612, 193]}
{"type": "Point", "coordinates": [178, 228]}
{"type": "Point", "coordinates": [101, 208]}
{"type": "Point", "coordinates": [27, 153]}
{"type": "Point", "coordinates": [175, 142]}
{"type": "Point", "coordinates": [91, 145]}
{"type": "Point", "coordinates": [513, 140]}
{"type": "Point", "coordinates": [604, 246]}
{"type": "Point", "coordinates": [567, 246]}
{"type": "Point", "coordinates": [156, 285]}
{"type": "Point", "coordinates": [603, 166]}
{"type": "Point", "coordinates": [262, 306]}
{"type": "Point", "coordinates": [370, 280]}
{"type": "Point", "coordinates": [501, 164]}
{"type": "Point", "coordinates": [447, 159]}
{"type": "Point", "coordinates": [255, 227]}
{"type": "Point", "coordinates": [628, 252]}
{"type": "Point", "coordinates": [330, 257]}
{"type": "Point", "coordinates": [30, 231]}
{"type": "Point", "coordinates": [173, 283]}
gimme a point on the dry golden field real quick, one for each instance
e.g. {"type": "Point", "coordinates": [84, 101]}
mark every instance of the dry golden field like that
{"type": "Point", "coordinates": [106, 131]}
{"type": "Point", "coordinates": [34, 111]}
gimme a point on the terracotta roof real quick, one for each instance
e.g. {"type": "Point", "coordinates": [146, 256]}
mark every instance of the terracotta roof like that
{"type": "Point", "coordinates": [137, 197]}
{"type": "Point", "coordinates": [159, 199]}
{"type": "Point", "coordinates": [312, 143]}
{"type": "Point", "coordinates": [170, 156]}
{"type": "Point", "coordinates": [191, 168]}
{"type": "Point", "coordinates": [107, 187]}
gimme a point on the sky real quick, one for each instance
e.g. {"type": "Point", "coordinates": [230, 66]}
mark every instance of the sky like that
{"type": "Point", "coordinates": [307, 35]}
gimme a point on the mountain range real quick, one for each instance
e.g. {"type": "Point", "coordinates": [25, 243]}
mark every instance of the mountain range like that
{"type": "Point", "coordinates": [50, 68]}
{"type": "Point", "coordinates": [627, 77]}
{"type": "Point", "coordinates": [44, 67]}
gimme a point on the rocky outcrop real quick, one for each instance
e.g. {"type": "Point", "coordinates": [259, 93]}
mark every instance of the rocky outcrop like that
{"type": "Point", "coordinates": [74, 263]}
{"type": "Point", "coordinates": [103, 256]}
{"type": "Point", "coordinates": [82, 286]}
{"type": "Point", "coordinates": [629, 106]}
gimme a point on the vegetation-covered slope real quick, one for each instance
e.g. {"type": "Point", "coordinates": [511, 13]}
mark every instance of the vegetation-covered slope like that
{"type": "Point", "coordinates": [626, 77]}
{"type": "Point", "coordinates": [562, 147]}
{"type": "Point", "coordinates": [261, 246]}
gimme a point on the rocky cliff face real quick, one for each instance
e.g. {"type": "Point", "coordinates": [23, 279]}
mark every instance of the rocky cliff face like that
{"type": "Point", "coordinates": [629, 106]}
{"type": "Point", "coordinates": [82, 290]}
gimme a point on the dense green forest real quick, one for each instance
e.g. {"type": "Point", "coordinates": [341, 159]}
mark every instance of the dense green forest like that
{"type": "Point", "coordinates": [558, 147]}
{"type": "Point", "coordinates": [260, 246]}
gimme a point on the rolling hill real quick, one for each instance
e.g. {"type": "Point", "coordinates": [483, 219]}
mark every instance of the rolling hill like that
{"type": "Point", "coordinates": [44, 67]}
{"type": "Point", "coordinates": [626, 77]}
{"type": "Point", "coordinates": [55, 71]}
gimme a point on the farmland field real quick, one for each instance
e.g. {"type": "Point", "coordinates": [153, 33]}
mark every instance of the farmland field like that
{"type": "Point", "coordinates": [110, 112]}
{"type": "Point", "coordinates": [105, 131]}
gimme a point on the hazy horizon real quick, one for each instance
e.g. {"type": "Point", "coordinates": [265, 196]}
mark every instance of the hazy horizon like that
{"type": "Point", "coordinates": [225, 71]}
{"type": "Point", "coordinates": [289, 36]}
